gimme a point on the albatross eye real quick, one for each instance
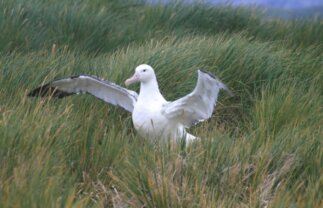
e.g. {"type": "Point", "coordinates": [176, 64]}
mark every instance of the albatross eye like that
{"type": "Point", "coordinates": [144, 70]}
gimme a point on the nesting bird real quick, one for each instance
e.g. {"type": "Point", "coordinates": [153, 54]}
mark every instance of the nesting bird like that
{"type": "Point", "coordinates": [153, 116]}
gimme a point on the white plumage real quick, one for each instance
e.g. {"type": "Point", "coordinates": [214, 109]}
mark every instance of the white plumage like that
{"type": "Point", "coordinates": [153, 117]}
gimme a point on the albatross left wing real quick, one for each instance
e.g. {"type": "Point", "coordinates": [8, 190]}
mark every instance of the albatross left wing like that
{"type": "Point", "coordinates": [199, 104]}
{"type": "Point", "coordinates": [107, 91]}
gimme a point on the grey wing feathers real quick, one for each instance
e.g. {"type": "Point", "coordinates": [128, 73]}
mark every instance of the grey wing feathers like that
{"type": "Point", "coordinates": [104, 90]}
{"type": "Point", "coordinates": [199, 104]}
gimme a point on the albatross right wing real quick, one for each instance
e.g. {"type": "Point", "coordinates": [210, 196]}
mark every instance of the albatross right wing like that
{"type": "Point", "coordinates": [199, 104]}
{"type": "Point", "coordinates": [107, 91]}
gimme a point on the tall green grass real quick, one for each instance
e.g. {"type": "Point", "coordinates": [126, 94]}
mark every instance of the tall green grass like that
{"type": "Point", "coordinates": [261, 148]}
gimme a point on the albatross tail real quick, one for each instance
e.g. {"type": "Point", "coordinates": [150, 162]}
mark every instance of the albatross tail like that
{"type": "Point", "coordinates": [190, 138]}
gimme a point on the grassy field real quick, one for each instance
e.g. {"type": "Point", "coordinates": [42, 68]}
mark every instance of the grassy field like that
{"type": "Point", "coordinates": [261, 148]}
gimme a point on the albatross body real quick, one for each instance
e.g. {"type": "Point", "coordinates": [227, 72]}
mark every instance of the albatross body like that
{"type": "Point", "coordinates": [153, 117]}
{"type": "Point", "coordinates": [148, 116]}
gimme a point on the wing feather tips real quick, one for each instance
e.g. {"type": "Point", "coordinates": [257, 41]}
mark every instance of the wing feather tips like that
{"type": "Point", "coordinates": [46, 91]}
{"type": "Point", "coordinates": [223, 86]}
{"type": "Point", "coordinates": [208, 73]}
{"type": "Point", "coordinates": [230, 93]}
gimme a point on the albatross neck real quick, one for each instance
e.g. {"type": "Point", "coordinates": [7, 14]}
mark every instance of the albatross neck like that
{"type": "Point", "coordinates": [150, 90]}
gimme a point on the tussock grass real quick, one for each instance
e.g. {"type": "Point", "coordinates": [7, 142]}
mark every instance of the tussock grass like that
{"type": "Point", "coordinates": [261, 148]}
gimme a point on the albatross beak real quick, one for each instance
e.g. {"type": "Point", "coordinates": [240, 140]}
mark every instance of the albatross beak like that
{"type": "Point", "coordinates": [133, 79]}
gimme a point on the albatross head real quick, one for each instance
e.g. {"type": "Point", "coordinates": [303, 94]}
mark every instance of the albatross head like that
{"type": "Point", "coordinates": [143, 73]}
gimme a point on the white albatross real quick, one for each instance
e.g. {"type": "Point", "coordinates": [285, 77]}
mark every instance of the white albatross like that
{"type": "Point", "coordinates": [153, 117]}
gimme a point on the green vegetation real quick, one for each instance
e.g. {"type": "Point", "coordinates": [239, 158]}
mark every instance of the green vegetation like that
{"type": "Point", "coordinates": [261, 148]}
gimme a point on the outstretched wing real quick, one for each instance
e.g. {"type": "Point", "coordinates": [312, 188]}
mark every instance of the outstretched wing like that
{"type": "Point", "coordinates": [199, 104]}
{"type": "Point", "coordinates": [107, 91]}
